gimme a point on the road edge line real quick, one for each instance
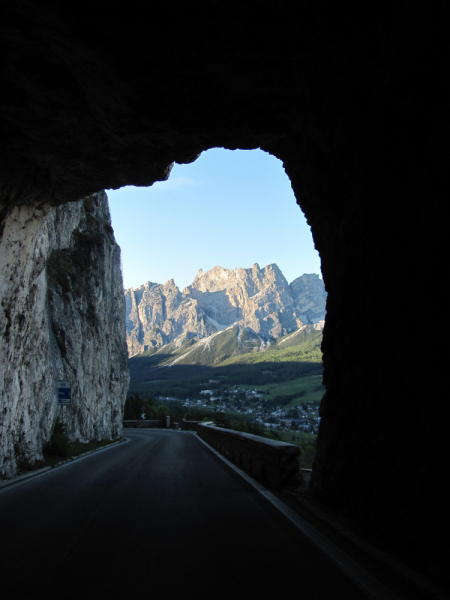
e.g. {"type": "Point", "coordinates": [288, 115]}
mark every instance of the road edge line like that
{"type": "Point", "coordinates": [27, 476]}
{"type": "Point", "coordinates": [360, 576]}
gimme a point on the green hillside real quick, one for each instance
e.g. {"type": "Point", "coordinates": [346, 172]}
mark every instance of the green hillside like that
{"type": "Point", "coordinates": [297, 391]}
{"type": "Point", "coordinates": [212, 350]}
{"type": "Point", "coordinates": [302, 348]}
{"type": "Point", "coordinates": [226, 360]}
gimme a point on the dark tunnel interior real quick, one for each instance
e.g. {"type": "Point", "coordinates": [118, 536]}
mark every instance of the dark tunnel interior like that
{"type": "Point", "coordinates": [355, 105]}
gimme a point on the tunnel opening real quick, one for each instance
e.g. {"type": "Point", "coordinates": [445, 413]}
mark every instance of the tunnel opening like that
{"type": "Point", "coordinates": [229, 209]}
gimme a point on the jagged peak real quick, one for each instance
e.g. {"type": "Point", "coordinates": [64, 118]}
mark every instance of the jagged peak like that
{"type": "Point", "coordinates": [144, 286]}
{"type": "Point", "coordinates": [170, 283]}
{"type": "Point", "coordinates": [255, 298]}
{"type": "Point", "coordinates": [223, 272]}
{"type": "Point", "coordinates": [306, 277]}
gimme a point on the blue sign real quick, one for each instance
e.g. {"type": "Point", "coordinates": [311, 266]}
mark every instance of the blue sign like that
{"type": "Point", "coordinates": [64, 390]}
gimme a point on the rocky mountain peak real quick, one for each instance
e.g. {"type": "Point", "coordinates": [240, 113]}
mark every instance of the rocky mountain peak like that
{"type": "Point", "coordinates": [258, 299]}
{"type": "Point", "coordinates": [171, 287]}
{"type": "Point", "coordinates": [212, 279]}
{"type": "Point", "coordinates": [308, 292]}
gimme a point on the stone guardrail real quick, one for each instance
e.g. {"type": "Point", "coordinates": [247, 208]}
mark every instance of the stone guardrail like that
{"type": "Point", "coordinates": [273, 462]}
{"type": "Point", "coordinates": [143, 423]}
{"type": "Point", "coordinates": [147, 423]}
{"type": "Point", "coordinates": [189, 425]}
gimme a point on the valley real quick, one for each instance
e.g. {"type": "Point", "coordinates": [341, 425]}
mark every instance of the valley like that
{"type": "Point", "coordinates": [275, 392]}
{"type": "Point", "coordinates": [241, 347]}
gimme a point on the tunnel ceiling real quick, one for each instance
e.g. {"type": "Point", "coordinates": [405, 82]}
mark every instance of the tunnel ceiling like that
{"type": "Point", "coordinates": [93, 102]}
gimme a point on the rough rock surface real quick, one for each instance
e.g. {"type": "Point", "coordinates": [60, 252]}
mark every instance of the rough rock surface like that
{"type": "Point", "coordinates": [310, 298]}
{"type": "Point", "coordinates": [258, 299]}
{"type": "Point", "coordinates": [158, 314]}
{"type": "Point", "coordinates": [255, 298]}
{"type": "Point", "coordinates": [61, 318]}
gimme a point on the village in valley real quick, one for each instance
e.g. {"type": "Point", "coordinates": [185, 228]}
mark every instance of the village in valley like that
{"type": "Point", "coordinates": [256, 406]}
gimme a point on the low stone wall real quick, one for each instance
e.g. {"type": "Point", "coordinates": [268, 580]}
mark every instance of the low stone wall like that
{"type": "Point", "coordinates": [275, 463]}
{"type": "Point", "coordinates": [190, 425]}
{"type": "Point", "coordinates": [143, 423]}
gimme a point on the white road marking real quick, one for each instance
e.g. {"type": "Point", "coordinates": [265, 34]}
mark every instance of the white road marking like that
{"type": "Point", "coordinates": [362, 578]}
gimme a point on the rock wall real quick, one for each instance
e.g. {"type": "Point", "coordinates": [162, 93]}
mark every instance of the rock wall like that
{"type": "Point", "coordinates": [61, 318]}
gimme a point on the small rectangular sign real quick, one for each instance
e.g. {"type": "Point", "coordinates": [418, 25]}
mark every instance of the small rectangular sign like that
{"type": "Point", "coordinates": [64, 390]}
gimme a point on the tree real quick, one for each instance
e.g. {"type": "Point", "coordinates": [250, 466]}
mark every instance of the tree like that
{"type": "Point", "coordinates": [162, 412]}
{"type": "Point", "coordinates": [239, 426]}
{"type": "Point", "coordinates": [135, 406]}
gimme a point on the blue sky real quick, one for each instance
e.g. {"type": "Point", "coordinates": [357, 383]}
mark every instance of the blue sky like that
{"type": "Point", "coordinates": [228, 208]}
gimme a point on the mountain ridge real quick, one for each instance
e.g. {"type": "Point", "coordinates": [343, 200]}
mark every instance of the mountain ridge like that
{"type": "Point", "coordinates": [260, 300]}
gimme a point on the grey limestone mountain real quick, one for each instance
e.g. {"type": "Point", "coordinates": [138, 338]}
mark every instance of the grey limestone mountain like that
{"type": "Point", "coordinates": [310, 297]}
{"type": "Point", "coordinates": [61, 318]}
{"type": "Point", "coordinates": [258, 299]}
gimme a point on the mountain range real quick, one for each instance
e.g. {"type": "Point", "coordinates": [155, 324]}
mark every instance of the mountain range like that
{"type": "Point", "coordinates": [252, 307]}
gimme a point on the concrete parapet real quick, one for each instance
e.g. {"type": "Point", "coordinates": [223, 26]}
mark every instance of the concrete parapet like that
{"type": "Point", "coordinates": [273, 462]}
{"type": "Point", "coordinates": [143, 423]}
{"type": "Point", "coordinates": [190, 425]}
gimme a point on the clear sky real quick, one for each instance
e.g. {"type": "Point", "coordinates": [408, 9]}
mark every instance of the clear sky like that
{"type": "Point", "coordinates": [228, 208]}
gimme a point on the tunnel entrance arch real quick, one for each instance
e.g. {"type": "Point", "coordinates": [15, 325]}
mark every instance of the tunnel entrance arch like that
{"type": "Point", "coordinates": [228, 208]}
{"type": "Point", "coordinates": [353, 108]}
{"type": "Point", "coordinates": [232, 209]}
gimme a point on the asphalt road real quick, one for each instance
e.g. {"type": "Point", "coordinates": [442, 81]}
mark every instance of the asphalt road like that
{"type": "Point", "coordinates": [160, 515]}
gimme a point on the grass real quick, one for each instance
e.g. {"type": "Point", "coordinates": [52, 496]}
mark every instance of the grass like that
{"type": "Point", "coordinates": [305, 348]}
{"type": "Point", "coordinates": [289, 354]}
{"type": "Point", "coordinates": [61, 448]}
{"type": "Point", "coordinates": [223, 345]}
{"type": "Point", "coordinates": [308, 397]}
{"type": "Point", "coordinates": [301, 438]}
{"type": "Point", "coordinates": [75, 449]}
{"type": "Point", "coordinates": [223, 350]}
{"type": "Point", "coordinates": [307, 442]}
{"type": "Point", "coordinates": [71, 450]}
{"type": "Point", "coordinates": [81, 448]}
{"type": "Point", "coordinates": [255, 369]}
{"type": "Point", "coordinates": [302, 384]}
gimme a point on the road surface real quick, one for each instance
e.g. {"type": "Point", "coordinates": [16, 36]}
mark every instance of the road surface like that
{"type": "Point", "coordinates": [159, 515]}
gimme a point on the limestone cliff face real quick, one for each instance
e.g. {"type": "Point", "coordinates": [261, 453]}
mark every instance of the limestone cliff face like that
{"type": "Point", "coordinates": [158, 314]}
{"type": "Point", "coordinates": [61, 318]}
{"type": "Point", "coordinates": [259, 299]}
{"type": "Point", "coordinates": [310, 298]}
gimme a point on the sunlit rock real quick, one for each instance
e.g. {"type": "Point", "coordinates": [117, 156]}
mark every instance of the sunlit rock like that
{"type": "Point", "coordinates": [257, 299]}
{"type": "Point", "coordinates": [61, 318]}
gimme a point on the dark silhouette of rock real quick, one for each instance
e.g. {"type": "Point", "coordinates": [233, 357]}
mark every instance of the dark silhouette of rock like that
{"type": "Point", "coordinates": [355, 104]}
